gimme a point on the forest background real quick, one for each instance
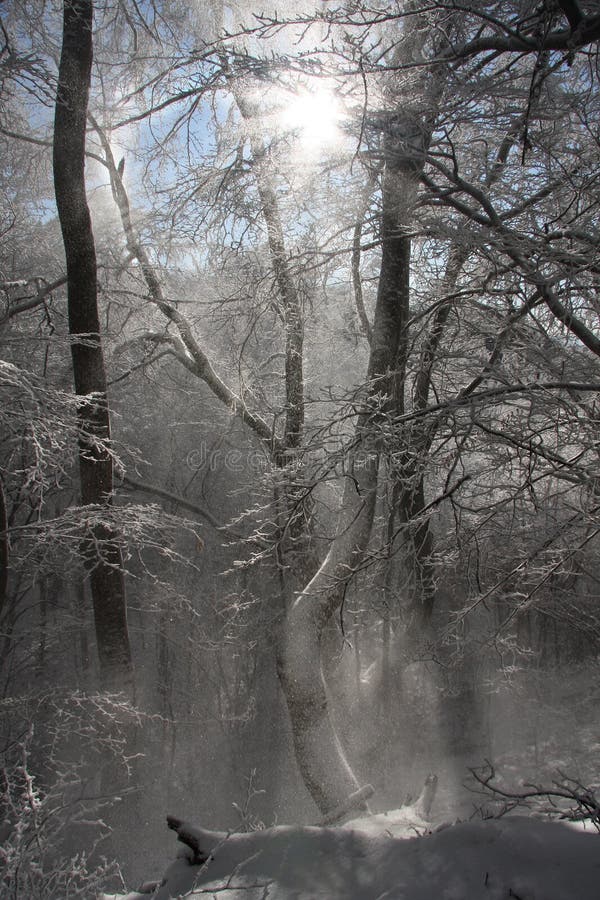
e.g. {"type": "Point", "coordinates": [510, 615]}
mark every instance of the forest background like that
{"type": "Point", "coordinates": [299, 460]}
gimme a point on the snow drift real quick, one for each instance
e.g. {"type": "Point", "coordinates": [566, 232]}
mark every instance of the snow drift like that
{"type": "Point", "coordinates": [498, 859]}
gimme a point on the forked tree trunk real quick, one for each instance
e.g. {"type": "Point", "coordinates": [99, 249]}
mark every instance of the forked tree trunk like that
{"type": "Point", "coordinates": [95, 462]}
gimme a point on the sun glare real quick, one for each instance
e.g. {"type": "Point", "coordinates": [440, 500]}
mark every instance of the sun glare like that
{"type": "Point", "coordinates": [314, 116]}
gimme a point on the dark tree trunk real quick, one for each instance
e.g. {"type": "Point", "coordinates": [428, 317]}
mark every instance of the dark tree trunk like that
{"type": "Point", "coordinates": [4, 555]}
{"type": "Point", "coordinates": [95, 463]}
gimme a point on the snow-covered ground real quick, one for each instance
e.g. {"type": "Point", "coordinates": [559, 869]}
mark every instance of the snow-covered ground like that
{"type": "Point", "coordinates": [511, 858]}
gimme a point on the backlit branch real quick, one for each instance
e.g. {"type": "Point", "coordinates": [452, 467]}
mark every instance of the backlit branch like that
{"type": "Point", "coordinates": [195, 359]}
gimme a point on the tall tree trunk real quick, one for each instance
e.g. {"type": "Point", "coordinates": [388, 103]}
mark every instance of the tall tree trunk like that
{"type": "Point", "coordinates": [409, 492]}
{"type": "Point", "coordinates": [296, 543]}
{"type": "Point", "coordinates": [95, 462]}
{"type": "Point", "coordinates": [4, 552]}
{"type": "Point", "coordinates": [406, 136]}
{"type": "Point", "coordinates": [318, 752]}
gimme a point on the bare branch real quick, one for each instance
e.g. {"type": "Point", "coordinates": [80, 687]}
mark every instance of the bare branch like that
{"type": "Point", "coordinates": [197, 361]}
{"type": "Point", "coordinates": [583, 803]}
{"type": "Point", "coordinates": [43, 290]}
{"type": "Point", "coordinates": [183, 502]}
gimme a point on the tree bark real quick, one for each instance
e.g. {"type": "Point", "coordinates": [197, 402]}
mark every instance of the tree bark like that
{"type": "Point", "coordinates": [286, 286]}
{"type": "Point", "coordinates": [406, 136]}
{"type": "Point", "coordinates": [409, 492]}
{"type": "Point", "coordinates": [298, 551]}
{"type": "Point", "coordinates": [4, 550]}
{"type": "Point", "coordinates": [355, 261]}
{"type": "Point", "coordinates": [319, 754]}
{"type": "Point", "coordinates": [95, 463]}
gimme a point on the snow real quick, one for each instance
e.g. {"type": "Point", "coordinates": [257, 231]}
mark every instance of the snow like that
{"type": "Point", "coordinates": [404, 822]}
{"type": "Point", "coordinates": [497, 859]}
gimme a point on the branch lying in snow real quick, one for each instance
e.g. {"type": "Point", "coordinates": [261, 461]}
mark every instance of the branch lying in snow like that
{"type": "Point", "coordinates": [583, 801]}
{"type": "Point", "coordinates": [202, 843]}
{"type": "Point", "coordinates": [519, 858]}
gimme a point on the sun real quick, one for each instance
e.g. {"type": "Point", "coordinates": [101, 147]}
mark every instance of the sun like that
{"type": "Point", "coordinates": [314, 116]}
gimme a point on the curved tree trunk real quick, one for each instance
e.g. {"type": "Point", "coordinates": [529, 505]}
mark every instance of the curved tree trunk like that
{"type": "Point", "coordinates": [95, 462]}
{"type": "Point", "coordinates": [406, 136]}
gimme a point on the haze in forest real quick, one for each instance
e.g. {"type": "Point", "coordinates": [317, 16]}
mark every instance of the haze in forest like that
{"type": "Point", "coordinates": [299, 455]}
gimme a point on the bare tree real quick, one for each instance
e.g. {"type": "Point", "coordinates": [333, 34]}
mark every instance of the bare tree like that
{"type": "Point", "coordinates": [95, 461]}
{"type": "Point", "coordinates": [468, 248]}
